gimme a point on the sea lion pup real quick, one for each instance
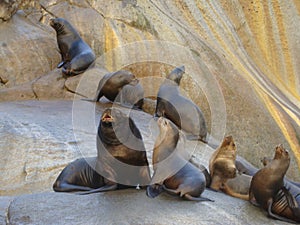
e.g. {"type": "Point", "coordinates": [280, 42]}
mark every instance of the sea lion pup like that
{"type": "Point", "coordinates": [76, 55]}
{"type": "Point", "coordinates": [179, 109]}
{"type": "Point", "coordinates": [188, 182]}
{"type": "Point", "coordinates": [222, 169]}
{"type": "Point", "coordinates": [121, 152]}
{"type": "Point", "coordinates": [80, 175]}
{"type": "Point", "coordinates": [112, 83]}
{"type": "Point", "coordinates": [267, 189]}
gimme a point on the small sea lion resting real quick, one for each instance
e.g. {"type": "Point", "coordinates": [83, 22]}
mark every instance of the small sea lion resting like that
{"type": "Point", "coordinates": [179, 109]}
{"type": "Point", "coordinates": [111, 85]}
{"type": "Point", "coordinates": [189, 182]}
{"type": "Point", "coordinates": [80, 175]}
{"type": "Point", "coordinates": [77, 56]}
{"type": "Point", "coordinates": [267, 189]}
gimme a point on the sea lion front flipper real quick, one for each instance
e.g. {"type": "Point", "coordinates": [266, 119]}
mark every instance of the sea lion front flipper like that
{"type": "Point", "coordinates": [275, 216]}
{"type": "Point", "coordinates": [199, 199]}
{"type": "Point", "coordinates": [65, 187]}
{"type": "Point", "coordinates": [154, 190]}
{"type": "Point", "coordinates": [107, 187]}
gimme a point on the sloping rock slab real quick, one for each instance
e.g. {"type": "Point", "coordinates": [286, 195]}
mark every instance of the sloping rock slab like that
{"type": "Point", "coordinates": [132, 207]}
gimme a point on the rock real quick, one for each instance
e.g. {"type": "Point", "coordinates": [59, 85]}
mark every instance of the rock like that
{"type": "Point", "coordinates": [132, 207]}
{"type": "Point", "coordinates": [34, 144]}
{"type": "Point", "coordinates": [19, 92]}
{"type": "Point", "coordinates": [86, 84]}
{"type": "Point", "coordinates": [41, 56]}
{"type": "Point", "coordinates": [51, 86]}
{"type": "Point", "coordinates": [8, 8]}
{"type": "Point", "coordinates": [5, 202]}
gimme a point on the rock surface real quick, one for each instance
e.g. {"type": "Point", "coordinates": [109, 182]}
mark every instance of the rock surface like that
{"type": "Point", "coordinates": [132, 207]}
{"type": "Point", "coordinates": [242, 69]}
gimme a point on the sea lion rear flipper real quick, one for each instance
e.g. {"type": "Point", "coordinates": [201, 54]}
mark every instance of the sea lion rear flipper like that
{"type": "Point", "coordinates": [200, 199]}
{"type": "Point", "coordinates": [108, 187]}
{"type": "Point", "coordinates": [275, 216]}
{"type": "Point", "coordinates": [154, 190]}
{"type": "Point", "coordinates": [290, 198]}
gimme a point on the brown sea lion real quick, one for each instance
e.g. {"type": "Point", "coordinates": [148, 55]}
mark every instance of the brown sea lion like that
{"type": "Point", "coordinates": [179, 109]}
{"type": "Point", "coordinates": [121, 152]}
{"type": "Point", "coordinates": [111, 85]}
{"type": "Point", "coordinates": [188, 182]}
{"type": "Point", "coordinates": [224, 174]}
{"type": "Point", "coordinates": [80, 175]}
{"type": "Point", "coordinates": [77, 55]}
{"type": "Point", "coordinates": [267, 189]}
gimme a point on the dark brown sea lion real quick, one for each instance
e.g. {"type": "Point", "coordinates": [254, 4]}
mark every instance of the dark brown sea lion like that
{"type": "Point", "coordinates": [267, 189]}
{"type": "Point", "coordinates": [121, 152]}
{"type": "Point", "coordinates": [188, 182]}
{"type": "Point", "coordinates": [77, 55]}
{"type": "Point", "coordinates": [179, 109]}
{"type": "Point", "coordinates": [111, 85]}
{"type": "Point", "coordinates": [80, 175]}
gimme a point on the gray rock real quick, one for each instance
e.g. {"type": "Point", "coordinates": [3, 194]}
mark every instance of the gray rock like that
{"type": "Point", "coordinates": [132, 207]}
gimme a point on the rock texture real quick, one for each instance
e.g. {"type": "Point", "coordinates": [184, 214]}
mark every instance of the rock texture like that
{"type": "Point", "coordinates": [242, 69]}
{"type": "Point", "coordinates": [132, 207]}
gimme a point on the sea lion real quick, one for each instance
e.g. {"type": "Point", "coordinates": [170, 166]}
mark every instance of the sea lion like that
{"type": "Point", "coordinates": [189, 182]}
{"type": "Point", "coordinates": [111, 85]}
{"type": "Point", "coordinates": [121, 154]}
{"type": "Point", "coordinates": [80, 175]}
{"type": "Point", "coordinates": [267, 189]}
{"type": "Point", "coordinates": [224, 176]}
{"type": "Point", "coordinates": [76, 55]}
{"type": "Point", "coordinates": [179, 109]}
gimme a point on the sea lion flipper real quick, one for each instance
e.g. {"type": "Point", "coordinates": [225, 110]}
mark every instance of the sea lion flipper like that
{"type": "Point", "coordinates": [290, 198]}
{"type": "Point", "coordinates": [65, 187]}
{"type": "Point", "coordinates": [59, 65]}
{"type": "Point", "coordinates": [275, 216]}
{"type": "Point", "coordinates": [108, 187]}
{"type": "Point", "coordinates": [199, 199]}
{"type": "Point", "coordinates": [154, 190]}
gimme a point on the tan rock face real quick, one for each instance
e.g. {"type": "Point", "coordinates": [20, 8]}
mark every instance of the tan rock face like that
{"type": "Point", "coordinates": [241, 60]}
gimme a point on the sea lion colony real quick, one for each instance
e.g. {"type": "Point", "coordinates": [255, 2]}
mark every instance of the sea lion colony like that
{"type": "Point", "coordinates": [123, 164]}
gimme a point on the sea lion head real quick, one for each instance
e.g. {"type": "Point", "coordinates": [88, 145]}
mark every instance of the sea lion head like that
{"type": "Point", "coordinates": [281, 153]}
{"type": "Point", "coordinates": [176, 74]}
{"type": "Point", "coordinates": [62, 26]}
{"type": "Point", "coordinates": [124, 77]}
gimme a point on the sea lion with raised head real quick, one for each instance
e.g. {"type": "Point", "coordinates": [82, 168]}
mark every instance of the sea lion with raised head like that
{"type": "Point", "coordinates": [76, 54]}
{"type": "Point", "coordinates": [267, 189]}
{"type": "Point", "coordinates": [188, 182]}
{"type": "Point", "coordinates": [224, 175]}
{"type": "Point", "coordinates": [121, 152]}
{"type": "Point", "coordinates": [80, 175]}
{"type": "Point", "coordinates": [179, 109]}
